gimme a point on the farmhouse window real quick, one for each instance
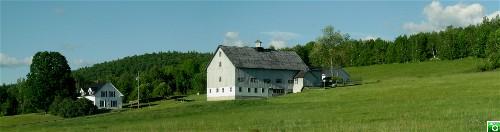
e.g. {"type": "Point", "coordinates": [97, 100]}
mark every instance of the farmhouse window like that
{"type": "Point", "coordinates": [255, 90]}
{"type": "Point", "coordinates": [103, 93]}
{"type": "Point", "coordinates": [222, 90]}
{"type": "Point", "coordinates": [220, 64]}
{"type": "Point", "coordinates": [267, 80]}
{"type": "Point", "coordinates": [217, 90]}
{"type": "Point", "coordinates": [296, 81]}
{"type": "Point", "coordinates": [209, 90]}
{"type": "Point", "coordinates": [278, 80]}
{"type": "Point", "coordinates": [231, 89]}
{"type": "Point", "coordinates": [290, 81]}
{"type": "Point", "coordinates": [114, 103]}
{"type": "Point", "coordinates": [219, 53]}
{"type": "Point", "coordinates": [253, 80]}
{"type": "Point", "coordinates": [263, 91]}
{"type": "Point", "coordinates": [101, 103]}
{"type": "Point", "coordinates": [111, 93]}
{"type": "Point", "coordinates": [249, 90]}
{"type": "Point", "coordinates": [239, 89]}
{"type": "Point", "coordinates": [220, 79]}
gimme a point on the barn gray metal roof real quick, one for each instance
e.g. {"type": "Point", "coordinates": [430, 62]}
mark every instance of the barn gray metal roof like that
{"type": "Point", "coordinates": [251, 57]}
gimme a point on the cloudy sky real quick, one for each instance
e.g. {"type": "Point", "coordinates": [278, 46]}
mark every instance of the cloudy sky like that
{"type": "Point", "coordinates": [93, 32]}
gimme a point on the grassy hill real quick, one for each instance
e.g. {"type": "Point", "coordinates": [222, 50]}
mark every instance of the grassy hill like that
{"type": "Point", "coordinates": [427, 96]}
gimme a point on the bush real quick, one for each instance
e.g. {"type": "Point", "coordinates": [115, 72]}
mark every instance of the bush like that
{"type": "Point", "coordinates": [490, 64]}
{"type": "Point", "coordinates": [69, 108]}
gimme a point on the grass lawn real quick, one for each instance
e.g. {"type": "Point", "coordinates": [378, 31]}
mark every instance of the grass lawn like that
{"type": "Point", "coordinates": [428, 96]}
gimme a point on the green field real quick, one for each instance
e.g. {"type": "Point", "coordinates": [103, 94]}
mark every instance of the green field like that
{"type": "Point", "coordinates": [427, 96]}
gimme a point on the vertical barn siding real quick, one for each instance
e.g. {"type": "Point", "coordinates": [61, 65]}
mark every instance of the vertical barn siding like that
{"type": "Point", "coordinates": [260, 75]}
{"type": "Point", "coordinates": [226, 71]}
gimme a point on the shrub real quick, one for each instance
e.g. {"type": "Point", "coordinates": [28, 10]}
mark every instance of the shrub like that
{"type": "Point", "coordinates": [69, 108]}
{"type": "Point", "coordinates": [492, 62]}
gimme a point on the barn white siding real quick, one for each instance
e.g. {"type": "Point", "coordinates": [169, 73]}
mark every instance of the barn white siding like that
{"type": "Point", "coordinates": [252, 72]}
{"type": "Point", "coordinates": [220, 77]}
{"type": "Point", "coordinates": [267, 79]}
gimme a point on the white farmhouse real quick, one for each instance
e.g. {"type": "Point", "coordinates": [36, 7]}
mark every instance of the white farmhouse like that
{"type": "Point", "coordinates": [103, 95]}
{"type": "Point", "coordinates": [255, 72]}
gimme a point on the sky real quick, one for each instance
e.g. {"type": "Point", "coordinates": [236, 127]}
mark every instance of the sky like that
{"type": "Point", "coordinates": [90, 32]}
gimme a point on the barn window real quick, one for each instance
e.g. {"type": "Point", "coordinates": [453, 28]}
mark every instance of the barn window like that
{"type": "Point", "coordinates": [255, 90]}
{"type": "Point", "coordinates": [249, 90]}
{"type": "Point", "coordinates": [220, 64]}
{"type": "Point", "coordinates": [230, 89]}
{"type": "Point", "coordinates": [239, 89]}
{"type": "Point", "coordinates": [209, 90]}
{"type": "Point", "coordinates": [253, 80]}
{"type": "Point", "coordinates": [263, 91]}
{"type": "Point", "coordinates": [101, 103]}
{"type": "Point", "coordinates": [278, 80]}
{"type": "Point", "coordinates": [220, 53]}
{"type": "Point", "coordinates": [217, 90]}
{"type": "Point", "coordinates": [220, 79]}
{"type": "Point", "coordinates": [267, 80]}
{"type": "Point", "coordinates": [103, 93]}
{"type": "Point", "coordinates": [290, 81]}
{"type": "Point", "coordinates": [222, 90]}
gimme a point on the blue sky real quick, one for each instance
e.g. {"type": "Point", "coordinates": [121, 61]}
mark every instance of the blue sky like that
{"type": "Point", "coordinates": [95, 31]}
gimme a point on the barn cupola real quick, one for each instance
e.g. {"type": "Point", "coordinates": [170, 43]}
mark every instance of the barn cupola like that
{"type": "Point", "coordinates": [258, 44]}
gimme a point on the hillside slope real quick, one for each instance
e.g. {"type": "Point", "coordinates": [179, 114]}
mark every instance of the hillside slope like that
{"type": "Point", "coordinates": [421, 99]}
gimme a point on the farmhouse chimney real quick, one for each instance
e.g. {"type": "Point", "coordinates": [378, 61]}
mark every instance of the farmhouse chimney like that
{"type": "Point", "coordinates": [258, 44]}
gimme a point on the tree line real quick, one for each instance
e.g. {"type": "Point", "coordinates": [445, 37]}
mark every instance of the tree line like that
{"type": "Point", "coordinates": [336, 49]}
{"type": "Point", "coordinates": [160, 74]}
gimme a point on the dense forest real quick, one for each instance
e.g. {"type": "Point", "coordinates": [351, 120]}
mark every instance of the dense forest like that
{"type": "Point", "coordinates": [170, 73]}
{"type": "Point", "coordinates": [336, 49]}
{"type": "Point", "coordinates": [160, 74]}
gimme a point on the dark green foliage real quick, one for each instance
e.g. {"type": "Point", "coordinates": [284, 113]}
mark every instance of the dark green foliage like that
{"type": "Point", "coordinates": [9, 103]}
{"type": "Point", "coordinates": [493, 51]}
{"type": "Point", "coordinates": [66, 107]}
{"type": "Point", "coordinates": [336, 49]}
{"type": "Point", "coordinates": [49, 76]}
{"type": "Point", "coordinates": [161, 74]}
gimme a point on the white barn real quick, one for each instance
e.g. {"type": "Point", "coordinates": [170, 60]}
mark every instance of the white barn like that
{"type": "Point", "coordinates": [254, 72]}
{"type": "Point", "coordinates": [103, 95]}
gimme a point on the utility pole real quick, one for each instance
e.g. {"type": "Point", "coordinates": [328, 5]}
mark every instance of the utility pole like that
{"type": "Point", "coordinates": [138, 98]}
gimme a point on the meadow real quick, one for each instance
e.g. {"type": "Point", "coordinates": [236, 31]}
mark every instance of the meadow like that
{"type": "Point", "coordinates": [425, 96]}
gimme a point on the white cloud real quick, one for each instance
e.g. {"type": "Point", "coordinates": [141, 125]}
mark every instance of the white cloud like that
{"type": "Point", "coordinates": [369, 37]}
{"type": "Point", "coordinates": [438, 17]}
{"type": "Point", "coordinates": [278, 44]}
{"type": "Point", "coordinates": [493, 15]}
{"type": "Point", "coordinates": [279, 39]}
{"type": "Point", "coordinates": [81, 63]}
{"type": "Point", "coordinates": [232, 39]}
{"type": "Point", "coordinates": [7, 61]}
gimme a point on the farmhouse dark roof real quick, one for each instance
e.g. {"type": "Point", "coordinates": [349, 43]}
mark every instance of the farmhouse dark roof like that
{"type": "Point", "coordinates": [248, 57]}
{"type": "Point", "coordinates": [96, 87]}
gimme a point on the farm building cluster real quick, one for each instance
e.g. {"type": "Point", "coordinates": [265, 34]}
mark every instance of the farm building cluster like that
{"type": "Point", "coordinates": [256, 72]}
